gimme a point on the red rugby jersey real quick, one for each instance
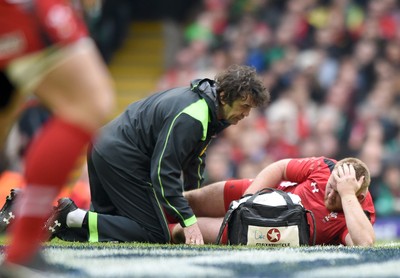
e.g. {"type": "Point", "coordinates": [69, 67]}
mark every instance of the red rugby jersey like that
{"type": "Point", "coordinates": [310, 176]}
{"type": "Point", "coordinates": [31, 25]}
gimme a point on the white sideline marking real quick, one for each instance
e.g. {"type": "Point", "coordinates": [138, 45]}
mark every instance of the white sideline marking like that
{"type": "Point", "coordinates": [159, 262]}
{"type": "Point", "coordinates": [382, 269]}
{"type": "Point", "coordinates": [112, 262]}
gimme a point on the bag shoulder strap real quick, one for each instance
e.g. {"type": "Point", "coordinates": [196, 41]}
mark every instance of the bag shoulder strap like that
{"type": "Point", "coordinates": [225, 221]}
{"type": "Point", "coordinates": [314, 226]}
{"type": "Point", "coordinates": [285, 196]}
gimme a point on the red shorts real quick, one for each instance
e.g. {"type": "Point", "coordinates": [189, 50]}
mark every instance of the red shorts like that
{"type": "Point", "coordinates": [234, 189]}
{"type": "Point", "coordinates": [34, 25]}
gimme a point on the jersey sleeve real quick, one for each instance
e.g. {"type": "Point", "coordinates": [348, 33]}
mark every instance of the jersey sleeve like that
{"type": "Point", "coordinates": [369, 208]}
{"type": "Point", "coordinates": [313, 168]}
{"type": "Point", "coordinates": [298, 170]}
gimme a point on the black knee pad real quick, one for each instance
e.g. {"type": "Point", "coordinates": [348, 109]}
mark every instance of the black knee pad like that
{"type": "Point", "coordinates": [6, 90]}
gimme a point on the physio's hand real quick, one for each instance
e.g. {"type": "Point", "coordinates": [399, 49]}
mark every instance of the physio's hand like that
{"type": "Point", "coordinates": [193, 235]}
{"type": "Point", "coordinates": [346, 181]}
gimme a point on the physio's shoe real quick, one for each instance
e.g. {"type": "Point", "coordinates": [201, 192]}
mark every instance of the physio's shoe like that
{"type": "Point", "coordinates": [57, 221]}
{"type": "Point", "coordinates": [7, 212]}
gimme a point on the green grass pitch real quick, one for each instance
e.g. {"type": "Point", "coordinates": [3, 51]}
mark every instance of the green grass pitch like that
{"type": "Point", "coordinates": [154, 260]}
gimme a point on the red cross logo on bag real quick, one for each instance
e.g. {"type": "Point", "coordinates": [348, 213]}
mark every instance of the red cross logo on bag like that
{"type": "Point", "coordinates": [274, 235]}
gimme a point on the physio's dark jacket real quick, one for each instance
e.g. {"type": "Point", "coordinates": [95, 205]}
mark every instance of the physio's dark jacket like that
{"type": "Point", "coordinates": [160, 139]}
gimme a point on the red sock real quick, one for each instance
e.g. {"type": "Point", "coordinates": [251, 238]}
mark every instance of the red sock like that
{"type": "Point", "coordinates": [49, 162]}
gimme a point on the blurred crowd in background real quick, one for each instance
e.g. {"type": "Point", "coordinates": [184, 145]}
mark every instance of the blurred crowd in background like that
{"type": "Point", "coordinates": [332, 68]}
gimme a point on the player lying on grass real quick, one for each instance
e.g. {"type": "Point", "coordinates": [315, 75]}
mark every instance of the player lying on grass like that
{"type": "Point", "coordinates": [336, 192]}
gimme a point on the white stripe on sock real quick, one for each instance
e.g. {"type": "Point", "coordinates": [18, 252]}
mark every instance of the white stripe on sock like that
{"type": "Point", "coordinates": [35, 200]}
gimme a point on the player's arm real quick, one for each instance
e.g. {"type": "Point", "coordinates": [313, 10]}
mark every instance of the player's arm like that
{"type": "Point", "coordinates": [361, 232]}
{"type": "Point", "coordinates": [270, 176]}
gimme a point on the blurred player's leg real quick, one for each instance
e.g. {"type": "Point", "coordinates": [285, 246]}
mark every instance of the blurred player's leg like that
{"type": "Point", "coordinates": [53, 58]}
{"type": "Point", "coordinates": [79, 92]}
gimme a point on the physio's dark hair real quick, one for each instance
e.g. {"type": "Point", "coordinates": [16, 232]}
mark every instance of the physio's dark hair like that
{"type": "Point", "coordinates": [240, 82]}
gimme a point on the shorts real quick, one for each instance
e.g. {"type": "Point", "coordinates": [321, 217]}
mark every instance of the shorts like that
{"type": "Point", "coordinates": [26, 73]}
{"type": "Point", "coordinates": [234, 190]}
{"type": "Point", "coordinates": [31, 31]}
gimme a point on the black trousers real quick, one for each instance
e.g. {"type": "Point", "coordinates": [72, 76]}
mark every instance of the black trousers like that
{"type": "Point", "coordinates": [124, 209]}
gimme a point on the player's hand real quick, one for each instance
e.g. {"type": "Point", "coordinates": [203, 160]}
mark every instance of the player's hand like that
{"type": "Point", "coordinates": [346, 182]}
{"type": "Point", "coordinates": [193, 235]}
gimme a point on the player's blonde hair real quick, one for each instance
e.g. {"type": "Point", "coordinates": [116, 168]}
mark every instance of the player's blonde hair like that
{"type": "Point", "coordinates": [361, 170]}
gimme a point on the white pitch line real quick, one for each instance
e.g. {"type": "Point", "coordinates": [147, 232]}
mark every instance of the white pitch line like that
{"type": "Point", "coordinates": [122, 262]}
{"type": "Point", "coordinates": [382, 269]}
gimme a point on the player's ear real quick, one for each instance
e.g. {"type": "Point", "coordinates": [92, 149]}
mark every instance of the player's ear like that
{"type": "Point", "coordinates": [361, 197]}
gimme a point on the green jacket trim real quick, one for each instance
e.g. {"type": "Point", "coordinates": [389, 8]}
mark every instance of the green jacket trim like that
{"type": "Point", "coordinates": [93, 232]}
{"type": "Point", "coordinates": [161, 209]}
{"type": "Point", "coordinates": [190, 221]}
{"type": "Point", "coordinates": [195, 110]}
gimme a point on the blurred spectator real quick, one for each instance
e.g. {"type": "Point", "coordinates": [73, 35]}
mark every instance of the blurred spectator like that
{"type": "Point", "coordinates": [219, 165]}
{"type": "Point", "coordinates": [332, 68]}
{"type": "Point", "coordinates": [387, 201]}
{"type": "Point", "coordinates": [109, 27]}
